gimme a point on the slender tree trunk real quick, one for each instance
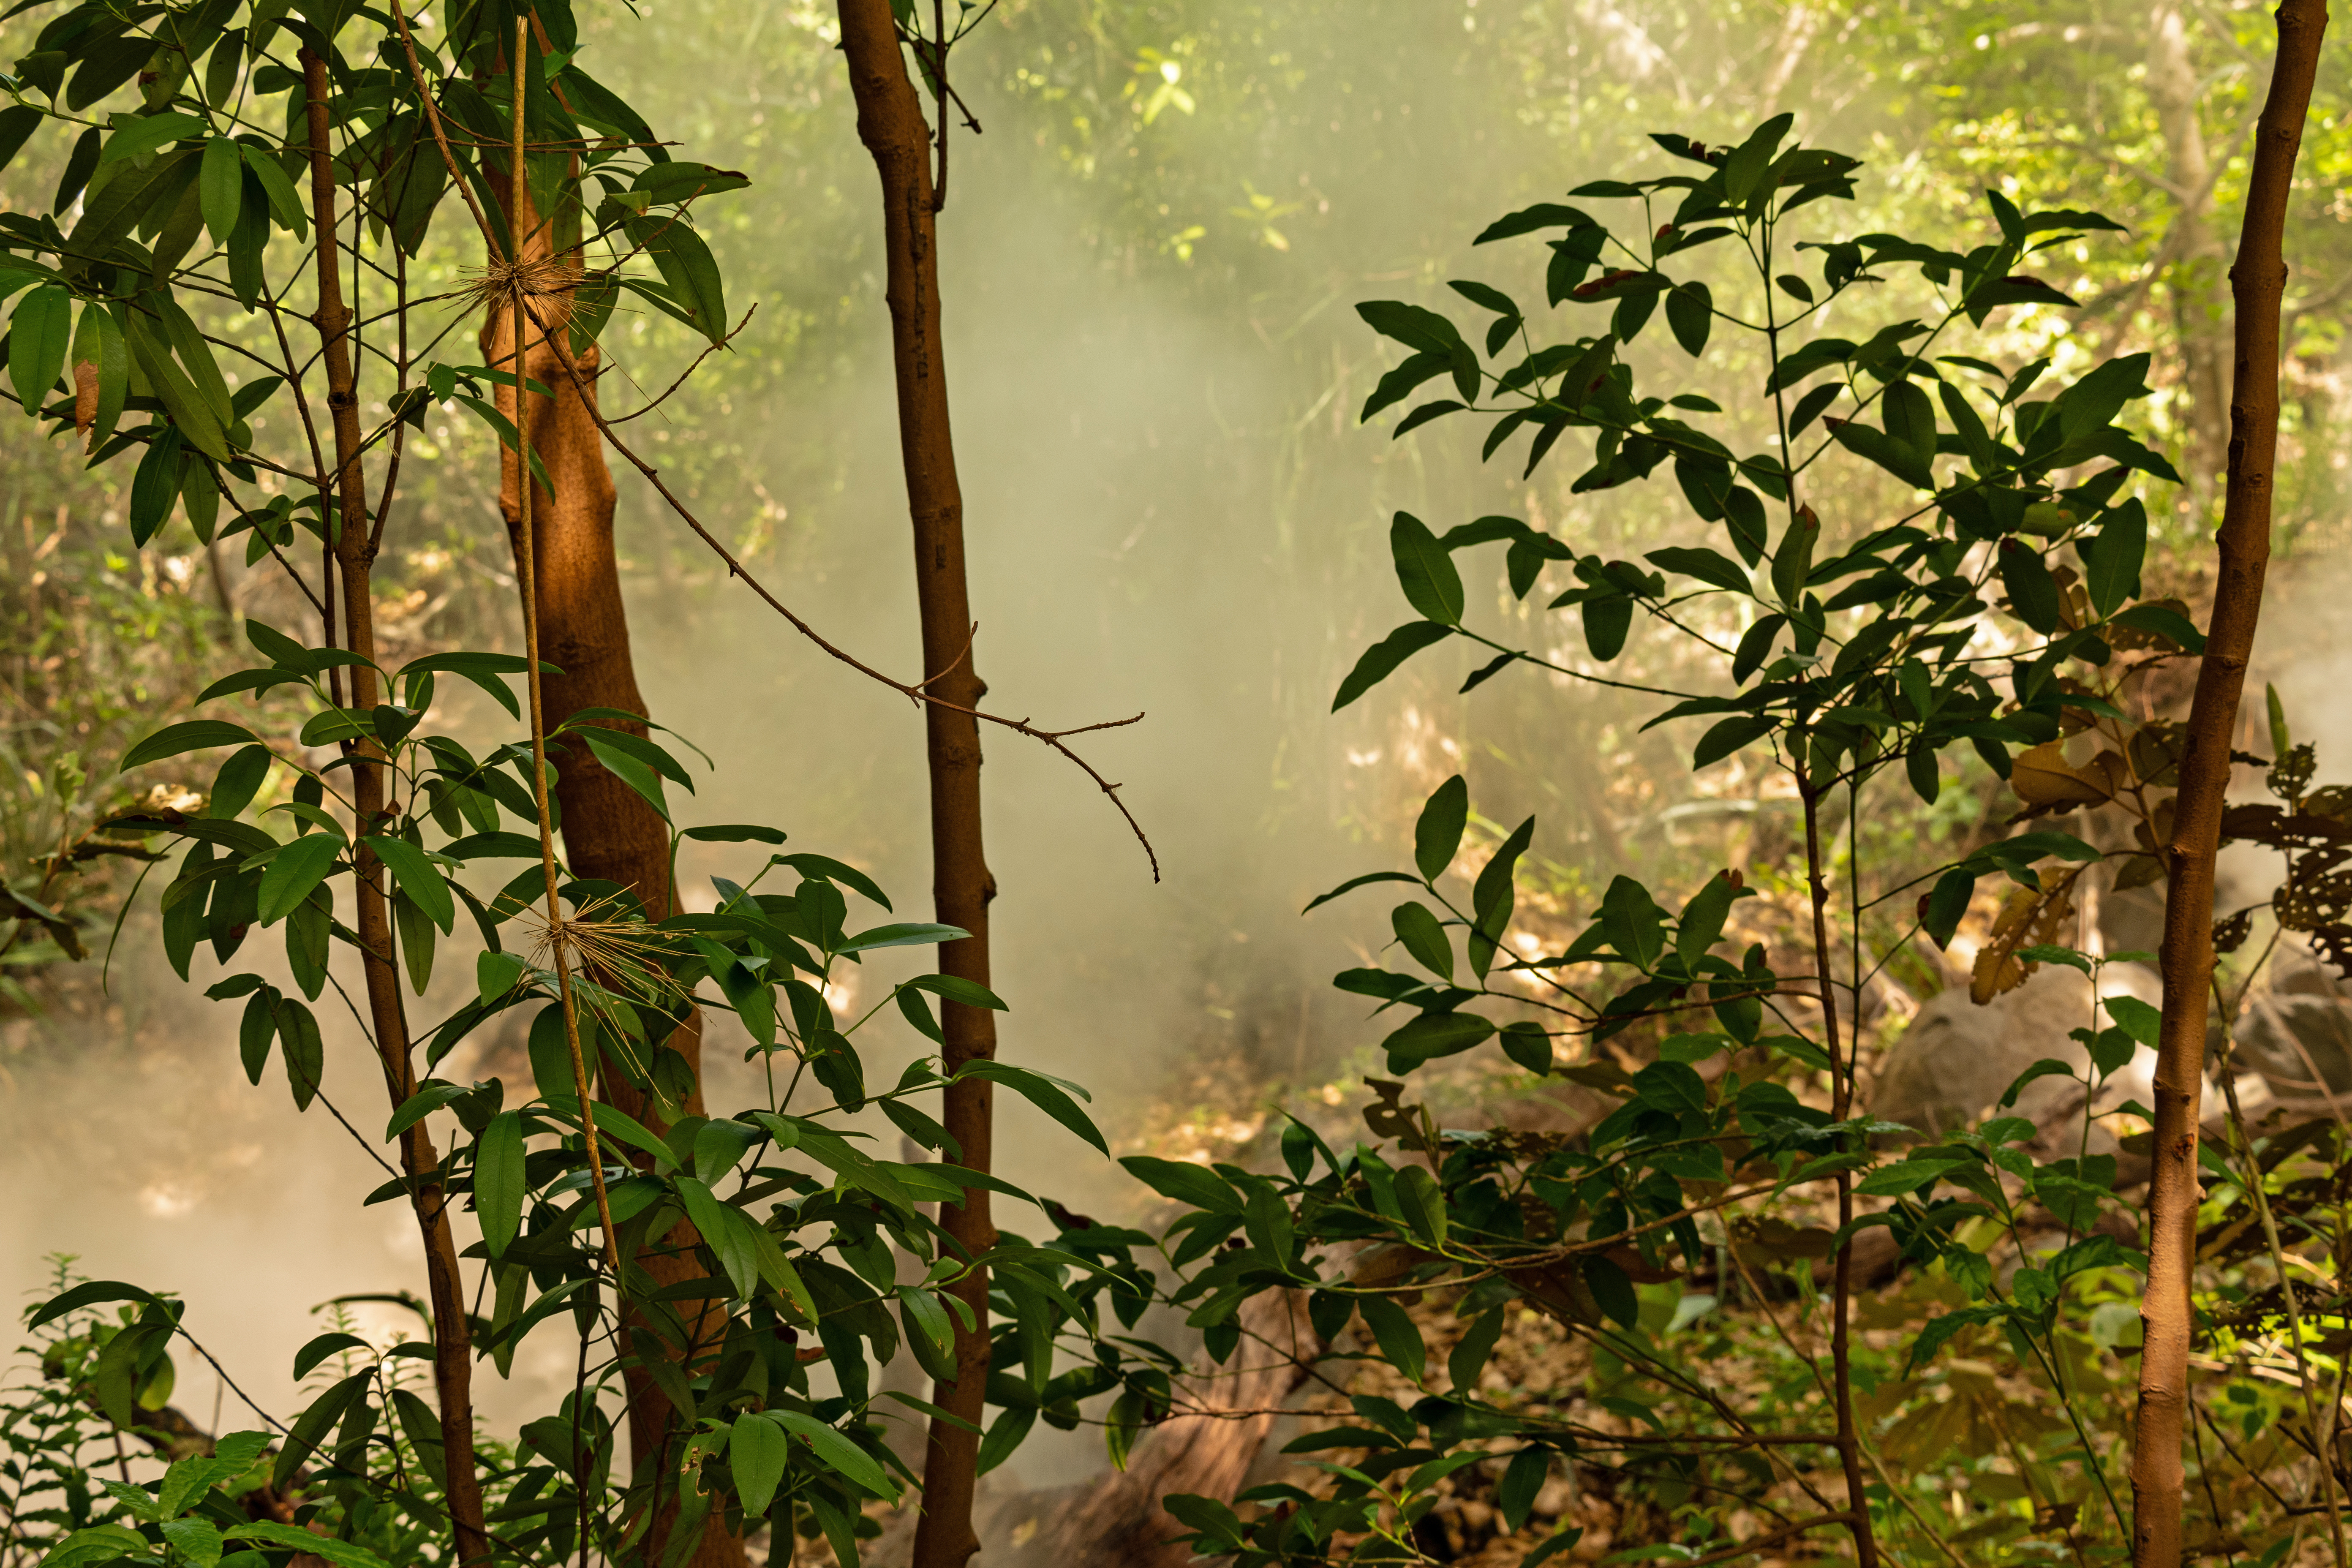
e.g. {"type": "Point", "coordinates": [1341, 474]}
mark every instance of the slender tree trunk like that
{"type": "Point", "coordinates": [354, 549]}
{"type": "Point", "coordinates": [2200, 314]}
{"type": "Point", "coordinates": [610, 833]}
{"type": "Point", "coordinates": [890, 123]}
{"type": "Point", "coordinates": [2257, 281]}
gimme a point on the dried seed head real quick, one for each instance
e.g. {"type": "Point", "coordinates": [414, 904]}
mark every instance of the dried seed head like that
{"type": "Point", "coordinates": [602, 941]}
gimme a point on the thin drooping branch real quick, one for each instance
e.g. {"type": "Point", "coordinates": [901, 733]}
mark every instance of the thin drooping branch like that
{"type": "Point", "coordinates": [452, 1360]}
{"type": "Point", "coordinates": [915, 692]}
{"type": "Point", "coordinates": [2258, 283]}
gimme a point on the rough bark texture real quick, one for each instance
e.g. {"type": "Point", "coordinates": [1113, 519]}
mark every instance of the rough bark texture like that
{"type": "Point", "coordinates": [2257, 281]}
{"type": "Point", "coordinates": [453, 1355]}
{"type": "Point", "coordinates": [610, 833]}
{"type": "Point", "coordinates": [2201, 312]}
{"type": "Point", "coordinates": [890, 123]}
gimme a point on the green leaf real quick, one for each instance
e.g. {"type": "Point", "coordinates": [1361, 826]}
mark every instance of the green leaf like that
{"type": "Point", "coordinates": [2138, 1019]}
{"type": "Point", "coordinates": [296, 869]}
{"type": "Point", "coordinates": [1469, 1358]}
{"type": "Point", "coordinates": [340, 1553]}
{"type": "Point", "coordinates": [147, 133]}
{"type": "Point", "coordinates": [1352, 883]}
{"type": "Point", "coordinates": [2113, 558]}
{"type": "Point", "coordinates": [1193, 1186]}
{"type": "Point", "coordinates": [905, 935]}
{"type": "Point", "coordinates": [499, 1181]}
{"type": "Point", "coordinates": [307, 1358]}
{"type": "Point", "coordinates": [1708, 566]}
{"type": "Point", "coordinates": [284, 205]}
{"type": "Point", "coordinates": [38, 335]}
{"type": "Point", "coordinates": [738, 833]}
{"type": "Point", "coordinates": [2033, 592]}
{"type": "Point", "coordinates": [255, 1032]}
{"type": "Point", "coordinates": [843, 1457]}
{"type": "Point", "coordinates": [302, 1050]}
{"type": "Point", "coordinates": [1730, 736]}
{"type": "Point", "coordinates": [1424, 1205]}
{"type": "Point", "coordinates": [1050, 1095]}
{"type": "Point", "coordinates": [1946, 905]}
{"type": "Point", "coordinates": [686, 267]}
{"type": "Point", "coordinates": [1701, 926]}
{"type": "Point", "coordinates": [1522, 1480]}
{"type": "Point", "coordinates": [1423, 937]}
{"type": "Point", "coordinates": [88, 1293]}
{"type": "Point", "coordinates": [624, 766]}
{"type": "Point", "coordinates": [1382, 659]}
{"type": "Point", "coordinates": [2164, 622]}
{"type": "Point", "coordinates": [1438, 833]}
{"type": "Point", "coordinates": [221, 181]}
{"type": "Point", "coordinates": [1426, 570]}
{"type": "Point", "coordinates": [1434, 1035]}
{"type": "Point", "coordinates": [1611, 1289]}
{"type": "Point", "coordinates": [418, 878]}
{"type": "Point", "coordinates": [711, 1217]}
{"type": "Point", "coordinates": [1690, 312]}
{"type": "Point", "coordinates": [1743, 170]}
{"type": "Point", "coordinates": [1394, 1330]}
{"type": "Point", "coordinates": [757, 1449]}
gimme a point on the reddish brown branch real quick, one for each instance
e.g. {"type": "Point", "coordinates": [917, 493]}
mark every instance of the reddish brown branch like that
{"type": "Point", "coordinates": [354, 552]}
{"type": "Point", "coordinates": [2258, 282]}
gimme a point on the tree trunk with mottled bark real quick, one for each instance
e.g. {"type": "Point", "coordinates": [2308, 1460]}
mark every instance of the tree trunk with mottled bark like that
{"type": "Point", "coordinates": [610, 833]}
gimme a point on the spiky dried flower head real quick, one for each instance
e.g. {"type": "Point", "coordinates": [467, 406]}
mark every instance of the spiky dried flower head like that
{"type": "Point", "coordinates": [535, 277]}
{"type": "Point", "coordinates": [606, 941]}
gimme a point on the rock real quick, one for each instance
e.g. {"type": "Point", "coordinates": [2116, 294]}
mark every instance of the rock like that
{"type": "Point", "coordinates": [1956, 1060]}
{"type": "Point", "coordinates": [2296, 1032]}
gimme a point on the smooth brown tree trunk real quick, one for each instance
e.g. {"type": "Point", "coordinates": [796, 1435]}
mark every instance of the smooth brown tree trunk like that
{"type": "Point", "coordinates": [610, 833]}
{"type": "Point", "coordinates": [2257, 281]}
{"type": "Point", "coordinates": [372, 810]}
{"type": "Point", "coordinates": [890, 123]}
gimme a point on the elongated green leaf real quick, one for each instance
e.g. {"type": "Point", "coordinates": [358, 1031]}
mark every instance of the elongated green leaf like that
{"type": "Point", "coordinates": [838, 1453]}
{"type": "Point", "coordinates": [38, 335]}
{"type": "Point", "coordinates": [147, 133]}
{"type": "Point", "coordinates": [499, 1181]}
{"type": "Point", "coordinates": [757, 1450]}
{"type": "Point", "coordinates": [1187, 1184]}
{"type": "Point", "coordinates": [625, 766]}
{"type": "Point", "coordinates": [284, 205]}
{"type": "Point", "coordinates": [293, 872]}
{"type": "Point", "coordinates": [1426, 570]}
{"type": "Point", "coordinates": [196, 734]}
{"type": "Point", "coordinates": [1381, 660]}
{"type": "Point", "coordinates": [419, 879]}
{"type": "Point", "coordinates": [1438, 833]}
{"type": "Point", "coordinates": [1394, 1330]}
{"type": "Point", "coordinates": [1050, 1095]}
{"type": "Point", "coordinates": [222, 181]}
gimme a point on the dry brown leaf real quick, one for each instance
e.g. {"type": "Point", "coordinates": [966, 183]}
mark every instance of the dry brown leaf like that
{"type": "Point", "coordinates": [2044, 778]}
{"type": "Point", "coordinates": [85, 380]}
{"type": "Point", "coordinates": [2030, 919]}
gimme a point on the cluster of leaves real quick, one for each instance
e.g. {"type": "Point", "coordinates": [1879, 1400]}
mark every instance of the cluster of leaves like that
{"type": "Point", "coordinates": [175, 251]}
{"type": "Point", "coordinates": [109, 324]}
{"type": "Point", "coordinates": [808, 1246]}
{"type": "Point", "coordinates": [1957, 624]}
